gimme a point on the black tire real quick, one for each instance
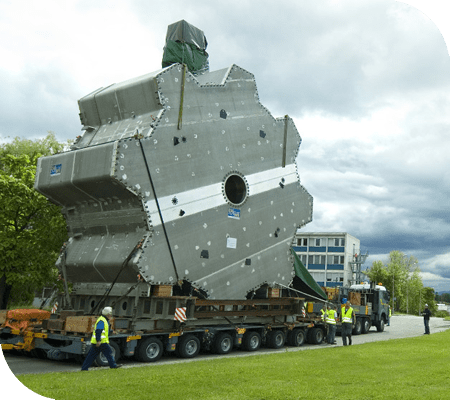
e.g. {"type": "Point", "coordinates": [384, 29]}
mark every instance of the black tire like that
{"type": "Point", "coordinates": [365, 325]}
{"type": "Point", "coordinates": [380, 326]}
{"type": "Point", "coordinates": [223, 343]}
{"type": "Point", "coordinates": [276, 339]}
{"type": "Point", "coordinates": [296, 337]}
{"type": "Point", "coordinates": [188, 346]}
{"type": "Point", "coordinates": [101, 360]}
{"type": "Point", "coordinates": [358, 327]}
{"type": "Point", "coordinates": [149, 350]}
{"type": "Point", "coordinates": [251, 341]}
{"type": "Point", "coordinates": [315, 335]}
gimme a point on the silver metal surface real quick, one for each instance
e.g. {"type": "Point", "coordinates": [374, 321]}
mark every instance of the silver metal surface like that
{"type": "Point", "coordinates": [215, 203]}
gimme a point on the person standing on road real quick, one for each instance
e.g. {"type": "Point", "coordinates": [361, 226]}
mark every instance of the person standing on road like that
{"type": "Point", "coordinates": [100, 341]}
{"type": "Point", "coordinates": [426, 319]}
{"type": "Point", "coordinates": [348, 320]}
{"type": "Point", "coordinates": [331, 317]}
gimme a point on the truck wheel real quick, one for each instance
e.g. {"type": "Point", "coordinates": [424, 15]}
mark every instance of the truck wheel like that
{"type": "Point", "coordinates": [358, 327]}
{"type": "Point", "coordinates": [315, 336]}
{"type": "Point", "coordinates": [366, 325]}
{"type": "Point", "coordinates": [380, 326]}
{"type": "Point", "coordinates": [223, 343]}
{"type": "Point", "coordinates": [251, 341]}
{"type": "Point", "coordinates": [296, 337]}
{"type": "Point", "coordinates": [101, 360]}
{"type": "Point", "coordinates": [276, 339]}
{"type": "Point", "coordinates": [188, 346]}
{"type": "Point", "coordinates": [149, 350]}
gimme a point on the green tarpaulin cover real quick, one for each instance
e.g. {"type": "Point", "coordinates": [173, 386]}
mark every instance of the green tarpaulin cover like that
{"type": "Point", "coordinates": [186, 44]}
{"type": "Point", "coordinates": [306, 282]}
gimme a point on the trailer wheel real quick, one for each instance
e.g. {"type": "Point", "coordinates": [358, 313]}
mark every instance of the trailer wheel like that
{"type": "Point", "coordinates": [276, 339]}
{"type": "Point", "coordinates": [223, 343]}
{"type": "Point", "coordinates": [366, 325]}
{"type": "Point", "coordinates": [251, 341]}
{"type": "Point", "coordinates": [296, 337]}
{"type": "Point", "coordinates": [380, 326]}
{"type": "Point", "coordinates": [188, 346]}
{"type": "Point", "coordinates": [149, 350]}
{"type": "Point", "coordinates": [315, 336]}
{"type": "Point", "coordinates": [101, 360]}
{"type": "Point", "coordinates": [358, 327]}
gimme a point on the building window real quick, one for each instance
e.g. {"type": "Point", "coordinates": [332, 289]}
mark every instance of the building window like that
{"type": "Point", "coordinates": [303, 259]}
{"type": "Point", "coordinates": [341, 259]}
{"type": "Point", "coordinates": [302, 242]}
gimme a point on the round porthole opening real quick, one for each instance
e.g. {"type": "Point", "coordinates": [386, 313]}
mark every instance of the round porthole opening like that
{"type": "Point", "coordinates": [235, 189]}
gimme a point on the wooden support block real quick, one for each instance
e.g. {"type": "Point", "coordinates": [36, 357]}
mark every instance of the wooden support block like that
{"type": "Point", "coordinates": [80, 324]}
{"type": "Point", "coordinates": [273, 293]}
{"type": "Point", "coordinates": [162, 290]}
{"type": "Point", "coordinates": [55, 324]}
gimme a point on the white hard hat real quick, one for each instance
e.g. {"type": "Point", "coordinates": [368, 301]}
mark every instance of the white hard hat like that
{"type": "Point", "coordinates": [107, 311]}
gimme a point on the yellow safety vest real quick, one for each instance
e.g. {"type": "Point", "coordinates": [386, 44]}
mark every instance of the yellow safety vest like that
{"type": "Point", "coordinates": [330, 317]}
{"type": "Point", "coordinates": [323, 315]}
{"type": "Point", "coordinates": [105, 331]}
{"type": "Point", "coordinates": [347, 315]}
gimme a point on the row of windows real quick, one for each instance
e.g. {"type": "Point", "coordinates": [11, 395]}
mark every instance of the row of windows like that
{"type": "Point", "coordinates": [317, 242]}
{"type": "Point", "coordinates": [320, 259]}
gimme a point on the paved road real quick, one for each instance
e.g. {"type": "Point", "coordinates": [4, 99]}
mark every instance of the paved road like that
{"type": "Point", "coordinates": [402, 326]}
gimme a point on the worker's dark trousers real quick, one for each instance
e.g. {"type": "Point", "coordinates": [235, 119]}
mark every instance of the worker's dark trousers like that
{"type": "Point", "coordinates": [346, 332]}
{"type": "Point", "coordinates": [331, 333]}
{"type": "Point", "coordinates": [94, 352]}
{"type": "Point", "coordinates": [426, 322]}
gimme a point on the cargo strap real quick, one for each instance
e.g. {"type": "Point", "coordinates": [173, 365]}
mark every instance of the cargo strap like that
{"type": "Point", "coordinates": [283, 161]}
{"type": "Point", "coordinates": [180, 112]}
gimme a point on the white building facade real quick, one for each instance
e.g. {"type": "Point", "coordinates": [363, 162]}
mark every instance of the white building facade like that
{"type": "Point", "coordinates": [331, 258]}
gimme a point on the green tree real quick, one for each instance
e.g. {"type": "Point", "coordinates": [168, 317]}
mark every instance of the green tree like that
{"type": "Point", "coordinates": [401, 277]}
{"type": "Point", "coordinates": [32, 230]}
{"type": "Point", "coordinates": [377, 272]}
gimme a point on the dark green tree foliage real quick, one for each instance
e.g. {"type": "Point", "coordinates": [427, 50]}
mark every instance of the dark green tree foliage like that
{"type": "Point", "coordinates": [32, 230]}
{"type": "Point", "coordinates": [401, 277]}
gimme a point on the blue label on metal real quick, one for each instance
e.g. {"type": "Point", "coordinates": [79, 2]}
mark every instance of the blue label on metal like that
{"type": "Point", "coordinates": [56, 169]}
{"type": "Point", "coordinates": [234, 213]}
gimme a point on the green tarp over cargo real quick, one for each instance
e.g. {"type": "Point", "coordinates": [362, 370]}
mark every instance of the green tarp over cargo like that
{"type": "Point", "coordinates": [186, 44]}
{"type": "Point", "coordinates": [305, 282]}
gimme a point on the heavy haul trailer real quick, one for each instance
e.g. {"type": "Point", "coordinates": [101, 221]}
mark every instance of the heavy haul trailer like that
{"type": "Point", "coordinates": [178, 324]}
{"type": "Point", "coordinates": [182, 181]}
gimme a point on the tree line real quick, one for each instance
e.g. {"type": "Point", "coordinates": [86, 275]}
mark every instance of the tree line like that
{"type": "Point", "coordinates": [400, 275]}
{"type": "Point", "coordinates": [32, 230]}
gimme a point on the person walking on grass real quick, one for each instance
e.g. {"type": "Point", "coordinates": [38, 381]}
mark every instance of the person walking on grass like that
{"type": "Point", "coordinates": [100, 341]}
{"type": "Point", "coordinates": [348, 319]}
{"type": "Point", "coordinates": [426, 319]}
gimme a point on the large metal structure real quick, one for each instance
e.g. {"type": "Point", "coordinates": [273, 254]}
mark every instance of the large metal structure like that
{"type": "Point", "coordinates": [182, 179]}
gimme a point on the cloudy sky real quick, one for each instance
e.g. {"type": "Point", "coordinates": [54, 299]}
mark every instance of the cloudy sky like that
{"type": "Point", "coordinates": [367, 83]}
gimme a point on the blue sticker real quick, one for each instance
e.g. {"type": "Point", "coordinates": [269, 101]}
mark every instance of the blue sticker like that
{"type": "Point", "coordinates": [234, 213]}
{"type": "Point", "coordinates": [56, 170]}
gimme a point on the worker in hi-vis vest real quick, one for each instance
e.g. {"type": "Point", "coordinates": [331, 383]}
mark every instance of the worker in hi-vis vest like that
{"type": "Point", "coordinates": [100, 341]}
{"type": "Point", "coordinates": [348, 320]}
{"type": "Point", "coordinates": [330, 319]}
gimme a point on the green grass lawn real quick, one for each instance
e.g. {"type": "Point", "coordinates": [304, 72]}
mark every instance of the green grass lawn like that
{"type": "Point", "coordinates": [414, 368]}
